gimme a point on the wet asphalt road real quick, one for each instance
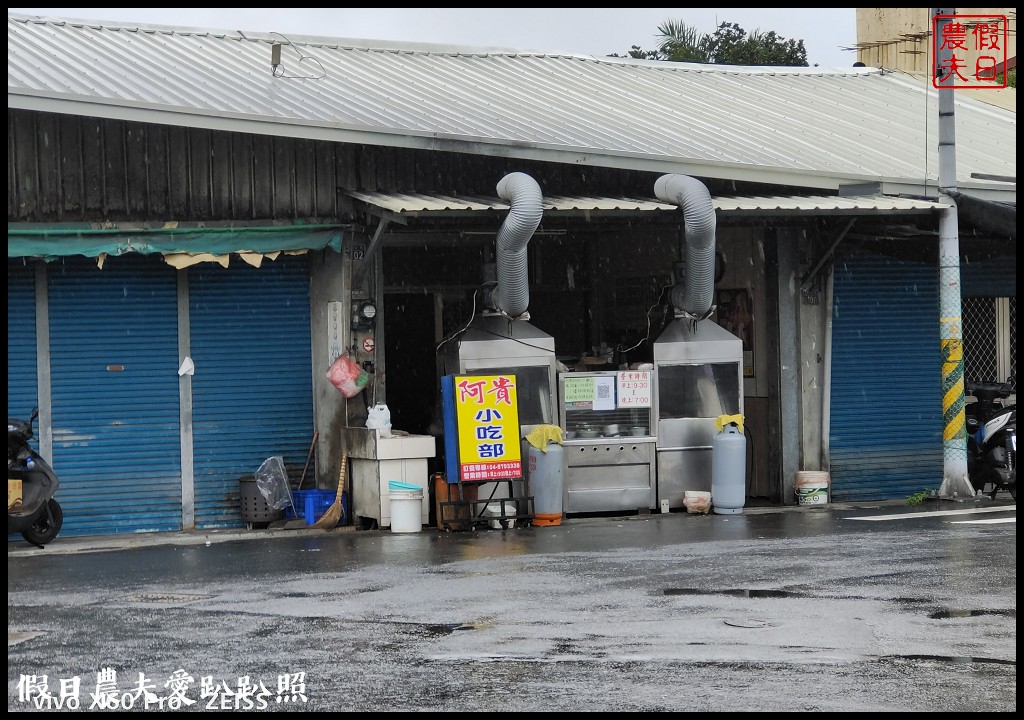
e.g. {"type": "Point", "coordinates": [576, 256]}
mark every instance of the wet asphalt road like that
{"type": "Point", "coordinates": [795, 609]}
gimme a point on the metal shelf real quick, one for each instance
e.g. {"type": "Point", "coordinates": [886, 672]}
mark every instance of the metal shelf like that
{"type": "Point", "coordinates": [465, 514]}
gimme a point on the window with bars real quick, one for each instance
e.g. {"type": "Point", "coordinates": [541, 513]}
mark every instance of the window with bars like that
{"type": "Point", "coordinates": [990, 337]}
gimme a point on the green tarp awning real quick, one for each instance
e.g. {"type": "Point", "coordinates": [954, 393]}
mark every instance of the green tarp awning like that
{"type": "Point", "coordinates": [52, 242]}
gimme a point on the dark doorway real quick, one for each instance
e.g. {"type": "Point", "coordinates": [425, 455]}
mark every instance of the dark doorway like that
{"type": "Point", "coordinates": [409, 351]}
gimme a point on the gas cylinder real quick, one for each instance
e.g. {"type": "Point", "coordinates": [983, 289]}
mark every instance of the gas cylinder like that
{"type": "Point", "coordinates": [545, 470]}
{"type": "Point", "coordinates": [728, 470]}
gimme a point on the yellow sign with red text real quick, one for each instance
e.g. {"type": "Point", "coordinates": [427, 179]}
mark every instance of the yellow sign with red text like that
{"type": "Point", "coordinates": [487, 413]}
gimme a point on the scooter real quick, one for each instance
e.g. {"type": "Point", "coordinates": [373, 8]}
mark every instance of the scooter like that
{"type": "Point", "coordinates": [31, 485]}
{"type": "Point", "coordinates": [992, 437]}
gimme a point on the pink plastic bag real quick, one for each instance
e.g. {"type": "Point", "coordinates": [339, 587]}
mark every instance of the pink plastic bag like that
{"type": "Point", "coordinates": [346, 375]}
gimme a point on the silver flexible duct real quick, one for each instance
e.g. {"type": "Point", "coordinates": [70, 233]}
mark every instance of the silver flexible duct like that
{"type": "Point", "coordinates": [693, 297]}
{"type": "Point", "coordinates": [526, 201]}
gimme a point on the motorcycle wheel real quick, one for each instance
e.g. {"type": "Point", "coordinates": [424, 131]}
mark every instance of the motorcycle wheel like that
{"type": "Point", "coordinates": [47, 526]}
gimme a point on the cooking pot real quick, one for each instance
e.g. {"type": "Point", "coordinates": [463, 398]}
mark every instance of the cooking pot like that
{"type": "Point", "coordinates": [611, 430]}
{"type": "Point", "coordinates": [638, 431]}
{"type": "Point", "coordinates": [588, 432]}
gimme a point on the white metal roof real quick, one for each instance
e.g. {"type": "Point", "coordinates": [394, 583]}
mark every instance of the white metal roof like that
{"type": "Point", "coordinates": [430, 204]}
{"type": "Point", "coordinates": [800, 127]}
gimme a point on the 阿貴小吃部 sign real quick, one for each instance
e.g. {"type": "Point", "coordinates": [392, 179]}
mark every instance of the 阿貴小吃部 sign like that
{"type": "Point", "coordinates": [487, 412]}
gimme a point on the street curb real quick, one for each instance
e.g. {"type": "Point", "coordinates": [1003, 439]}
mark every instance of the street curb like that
{"type": "Point", "coordinates": [109, 543]}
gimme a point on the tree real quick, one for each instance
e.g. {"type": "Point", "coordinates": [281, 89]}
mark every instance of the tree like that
{"type": "Point", "coordinates": [637, 54]}
{"type": "Point", "coordinates": [683, 43]}
{"type": "Point", "coordinates": [729, 45]}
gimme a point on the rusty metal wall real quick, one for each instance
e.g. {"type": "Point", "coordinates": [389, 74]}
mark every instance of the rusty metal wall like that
{"type": "Point", "coordinates": [64, 168]}
{"type": "Point", "coordinates": [77, 169]}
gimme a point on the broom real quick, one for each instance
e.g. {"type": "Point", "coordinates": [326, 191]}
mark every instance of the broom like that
{"type": "Point", "coordinates": [333, 514]}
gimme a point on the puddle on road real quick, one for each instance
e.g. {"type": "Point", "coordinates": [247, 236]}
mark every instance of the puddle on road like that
{"type": "Point", "coordinates": [955, 659]}
{"type": "Point", "coordinates": [950, 613]}
{"type": "Point", "coordinates": [167, 597]}
{"type": "Point", "coordinates": [739, 592]}
{"type": "Point", "coordinates": [751, 623]}
{"type": "Point", "coordinates": [447, 628]}
{"type": "Point", "coordinates": [16, 637]}
{"type": "Point", "coordinates": [941, 614]}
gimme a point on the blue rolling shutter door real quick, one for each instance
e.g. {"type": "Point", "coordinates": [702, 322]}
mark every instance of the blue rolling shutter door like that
{"type": "Point", "coordinates": [252, 392]}
{"type": "Point", "coordinates": [22, 393]}
{"type": "Point", "coordinates": [885, 434]}
{"type": "Point", "coordinates": [114, 380]}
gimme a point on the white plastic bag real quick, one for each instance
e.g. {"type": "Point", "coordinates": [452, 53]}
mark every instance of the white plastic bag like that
{"type": "Point", "coordinates": [379, 418]}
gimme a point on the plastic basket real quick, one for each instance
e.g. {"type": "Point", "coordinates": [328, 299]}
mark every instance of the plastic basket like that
{"type": "Point", "coordinates": [316, 504]}
{"type": "Point", "coordinates": [299, 500]}
{"type": "Point", "coordinates": [310, 505]}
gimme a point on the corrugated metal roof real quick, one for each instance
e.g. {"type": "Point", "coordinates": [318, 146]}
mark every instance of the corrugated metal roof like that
{"type": "Point", "coordinates": [415, 204]}
{"type": "Point", "coordinates": [802, 127]}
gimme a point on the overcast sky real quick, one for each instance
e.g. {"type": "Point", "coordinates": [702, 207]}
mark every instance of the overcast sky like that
{"type": "Point", "coordinates": [590, 31]}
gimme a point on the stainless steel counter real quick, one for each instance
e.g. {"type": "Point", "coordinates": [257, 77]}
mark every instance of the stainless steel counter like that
{"type": "Point", "coordinates": [609, 474]}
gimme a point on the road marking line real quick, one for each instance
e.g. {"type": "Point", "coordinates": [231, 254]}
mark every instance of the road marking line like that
{"type": "Point", "coordinates": [936, 513]}
{"type": "Point", "coordinates": [992, 521]}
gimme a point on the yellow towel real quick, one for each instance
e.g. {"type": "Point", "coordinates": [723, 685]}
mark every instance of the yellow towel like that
{"type": "Point", "coordinates": [724, 420]}
{"type": "Point", "coordinates": [541, 435]}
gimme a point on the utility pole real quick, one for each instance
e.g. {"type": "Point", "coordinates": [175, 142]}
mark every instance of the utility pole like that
{"type": "Point", "coordinates": [955, 481]}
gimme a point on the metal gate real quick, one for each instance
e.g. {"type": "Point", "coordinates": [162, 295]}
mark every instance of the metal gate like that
{"type": "Point", "coordinates": [252, 394]}
{"type": "Point", "coordinates": [885, 438]}
{"type": "Point", "coordinates": [114, 387]}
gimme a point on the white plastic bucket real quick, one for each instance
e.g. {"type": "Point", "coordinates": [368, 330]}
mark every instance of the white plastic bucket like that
{"type": "Point", "coordinates": [406, 507]}
{"type": "Point", "coordinates": [812, 487]}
